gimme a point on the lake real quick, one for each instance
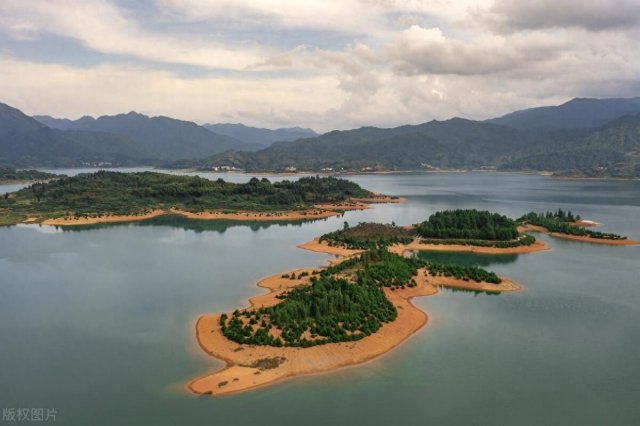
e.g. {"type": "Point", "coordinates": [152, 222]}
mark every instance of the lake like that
{"type": "Point", "coordinates": [98, 323]}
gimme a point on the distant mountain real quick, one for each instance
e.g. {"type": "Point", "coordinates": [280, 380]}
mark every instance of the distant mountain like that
{"type": "Point", "coordinates": [26, 142]}
{"type": "Point", "coordinates": [259, 136]}
{"type": "Point", "coordinates": [583, 137]}
{"type": "Point", "coordinates": [57, 123]}
{"type": "Point", "coordinates": [455, 143]}
{"type": "Point", "coordinates": [612, 150]}
{"type": "Point", "coordinates": [162, 138]}
{"type": "Point", "coordinates": [575, 114]}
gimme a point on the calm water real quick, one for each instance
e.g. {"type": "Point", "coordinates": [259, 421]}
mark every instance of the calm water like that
{"type": "Point", "coordinates": [98, 323]}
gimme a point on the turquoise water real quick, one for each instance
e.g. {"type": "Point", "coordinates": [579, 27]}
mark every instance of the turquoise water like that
{"type": "Point", "coordinates": [98, 323]}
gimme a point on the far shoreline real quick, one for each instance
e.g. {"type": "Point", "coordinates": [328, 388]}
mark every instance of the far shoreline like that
{"type": "Point", "coordinates": [546, 174]}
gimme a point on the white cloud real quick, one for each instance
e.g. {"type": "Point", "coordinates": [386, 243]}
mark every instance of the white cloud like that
{"type": "Point", "coordinates": [46, 88]}
{"type": "Point", "coordinates": [324, 64]}
{"type": "Point", "coordinates": [103, 27]}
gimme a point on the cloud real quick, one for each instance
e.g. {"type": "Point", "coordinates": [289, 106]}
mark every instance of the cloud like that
{"type": "Point", "coordinates": [321, 64]}
{"type": "Point", "coordinates": [103, 27]}
{"type": "Point", "coordinates": [47, 88]}
{"type": "Point", "coordinates": [593, 15]}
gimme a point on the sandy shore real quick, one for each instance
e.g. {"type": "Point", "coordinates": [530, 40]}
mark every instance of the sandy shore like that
{"type": "Point", "coordinates": [246, 365]}
{"type": "Point", "coordinates": [417, 245]}
{"type": "Point", "coordinates": [319, 211]}
{"type": "Point", "coordinates": [323, 247]}
{"type": "Point", "coordinates": [584, 239]}
{"type": "Point", "coordinates": [251, 366]}
{"type": "Point", "coordinates": [99, 219]}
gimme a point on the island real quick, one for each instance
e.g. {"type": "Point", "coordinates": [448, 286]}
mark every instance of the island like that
{"type": "Point", "coordinates": [107, 196]}
{"type": "Point", "coordinates": [451, 230]}
{"type": "Point", "coordinates": [320, 319]}
{"type": "Point", "coordinates": [9, 175]}
{"type": "Point", "coordinates": [359, 307]}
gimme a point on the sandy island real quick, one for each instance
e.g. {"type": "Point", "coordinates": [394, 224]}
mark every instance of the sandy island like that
{"type": "Point", "coordinates": [251, 366]}
{"type": "Point", "coordinates": [582, 238]}
{"type": "Point", "coordinates": [319, 211]}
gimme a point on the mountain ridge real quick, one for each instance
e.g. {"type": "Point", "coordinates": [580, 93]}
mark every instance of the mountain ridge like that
{"type": "Point", "coordinates": [582, 137]}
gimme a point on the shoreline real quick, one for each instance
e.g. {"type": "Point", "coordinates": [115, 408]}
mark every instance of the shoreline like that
{"type": "Point", "coordinates": [318, 211]}
{"type": "Point", "coordinates": [546, 174]}
{"type": "Point", "coordinates": [245, 368]}
{"type": "Point", "coordinates": [415, 245]}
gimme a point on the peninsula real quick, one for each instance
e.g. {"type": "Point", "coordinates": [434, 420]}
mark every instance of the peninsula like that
{"type": "Point", "coordinates": [320, 319]}
{"type": "Point", "coordinates": [566, 225]}
{"type": "Point", "coordinates": [116, 197]}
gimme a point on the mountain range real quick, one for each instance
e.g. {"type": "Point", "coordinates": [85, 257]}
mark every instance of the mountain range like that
{"type": "Point", "coordinates": [583, 137]}
{"type": "Point", "coordinates": [258, 136]}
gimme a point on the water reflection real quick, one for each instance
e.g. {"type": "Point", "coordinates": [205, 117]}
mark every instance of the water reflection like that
{"type": "Point", "coordinates": [195, 225]}
{"type": "Point", "coordinates": [465, 290]}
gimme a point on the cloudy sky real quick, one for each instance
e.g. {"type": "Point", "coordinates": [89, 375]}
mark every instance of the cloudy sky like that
{"type": "Point", "coordinates": [321, 64]}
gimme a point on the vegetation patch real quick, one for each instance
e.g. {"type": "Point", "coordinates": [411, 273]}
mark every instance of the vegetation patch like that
{"type": "Point", "coordinates": [469, 225]}
{"type": "Point", "coordinates": [462, 272]}
{"type": "Point", "coordinates": [342, 303]}
{"type": "Point", "coordinates": [368, 235]}
{"type": "Point", "coordinates": [564, 223]}
{"type": "Point", "coordinates": [268, 363]}
{"type": "Point", "coordinates": [115, 193]}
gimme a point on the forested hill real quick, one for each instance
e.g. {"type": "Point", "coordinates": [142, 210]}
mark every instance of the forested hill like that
{"type": "Point", "coordinates": [455, 143]}
{"type": "Point", "coordinates": [25, 142]}
{"type": "Point", "coordinates": [122, 140]}
{"type": "Point", "coordinates": [118, 193]}
{"type": "Point", "coordinates": [583, 137]}
{"type": "Point", "coordinates": [157, 137]}
{"type": "Point", "coordinates": [610, 151]}
{"type": "Point", "coordinates": [576, 114]}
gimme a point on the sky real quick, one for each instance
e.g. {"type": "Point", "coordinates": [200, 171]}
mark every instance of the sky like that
{"type": "Point", "coordinates": [321, 64]}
